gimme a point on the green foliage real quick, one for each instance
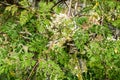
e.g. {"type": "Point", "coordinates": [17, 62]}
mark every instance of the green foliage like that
{"type": "Point", "coordinates": [81, 38]}
{"type": "Point", "coordinates": [36, 44]}
{"type": "Point", "coordinates": [81, 20]}
{"type": "Point", "coordinates": [25, 17]}
{"type": "Point", "coordinates": [102, 59]}
{"type": "Point", "coordinates": [116, 23]}
{"type": "Point", "coordinates": [12, 9]}
{"type": "Point", "coordinates": [49, 69]}
{"type": "Point", "coordinates": [102, 30]}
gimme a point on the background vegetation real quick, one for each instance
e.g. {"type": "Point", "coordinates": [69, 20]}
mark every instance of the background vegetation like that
{"type": "Point", "coordinates": [59, 40]}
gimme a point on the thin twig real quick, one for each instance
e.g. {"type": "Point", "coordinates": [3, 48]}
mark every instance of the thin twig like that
{"type": "Point", "coordinates": [69, 10]}
{"type": "Point", "coordinates": [33, 70]}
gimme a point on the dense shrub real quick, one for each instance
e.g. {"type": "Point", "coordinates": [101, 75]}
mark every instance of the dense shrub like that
{"type": "Point", "coordinates": [37, 43]}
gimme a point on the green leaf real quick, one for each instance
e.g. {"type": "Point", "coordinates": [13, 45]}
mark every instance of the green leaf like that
{"type": "Point", "coordinates": [116, 23]}
{"type": "Point", "coordinates": [25, 16]}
